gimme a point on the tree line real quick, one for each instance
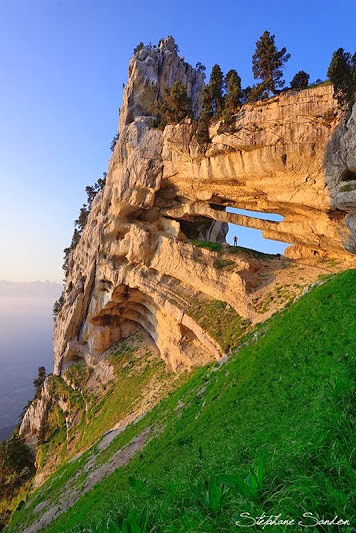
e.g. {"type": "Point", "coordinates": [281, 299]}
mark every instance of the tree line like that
{"type": "Point", "coordinates": [79, 225]}
{"type": "Point", "coordinates": [223, 95]}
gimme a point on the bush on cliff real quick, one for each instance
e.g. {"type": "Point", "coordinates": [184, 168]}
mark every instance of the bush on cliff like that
{"type": "Point", "coordinates": [79, 225]}
{"type": "Point", "coordinates": [58, 304]}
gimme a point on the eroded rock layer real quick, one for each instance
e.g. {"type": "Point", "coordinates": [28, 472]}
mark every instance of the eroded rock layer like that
{"type": "Point", "coordinates": [136, 266]}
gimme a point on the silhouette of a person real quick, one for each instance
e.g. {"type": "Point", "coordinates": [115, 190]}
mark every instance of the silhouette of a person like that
{"type": "Point", "coordinates": [235, 241]}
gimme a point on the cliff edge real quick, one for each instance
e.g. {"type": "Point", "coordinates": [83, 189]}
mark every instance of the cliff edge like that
{"type": "Point", "coordinates": [141, 264]}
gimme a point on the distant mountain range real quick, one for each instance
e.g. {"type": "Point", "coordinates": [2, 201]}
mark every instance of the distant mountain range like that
{"type": "Point", "coordinates": [33, 289]}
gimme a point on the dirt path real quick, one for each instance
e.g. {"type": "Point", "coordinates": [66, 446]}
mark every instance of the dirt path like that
{"type": "Point", "coordinates": [71, 492]}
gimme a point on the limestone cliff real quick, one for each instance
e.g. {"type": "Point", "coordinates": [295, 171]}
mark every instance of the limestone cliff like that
{"type": "Point", "coordinates": [136, 266]}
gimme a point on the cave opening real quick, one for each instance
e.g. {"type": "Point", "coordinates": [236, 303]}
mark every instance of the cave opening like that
{"type": "Point", "coordinates": [348, 175]}
{"type": "Point", "coordinates": [212, 230]}
{"type": "Point", "coordinates": [204, 229]}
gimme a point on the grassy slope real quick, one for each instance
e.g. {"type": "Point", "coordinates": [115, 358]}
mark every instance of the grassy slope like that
{"type": "Point", "coordinates": [286, 396]}
{"type": "Point", "coordinates": [133, 374]}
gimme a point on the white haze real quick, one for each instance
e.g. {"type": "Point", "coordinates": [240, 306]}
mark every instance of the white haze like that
{"type": "Point", "coordinates": [25, 342]}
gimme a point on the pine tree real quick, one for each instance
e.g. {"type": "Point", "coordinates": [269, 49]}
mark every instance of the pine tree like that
{"type": "Point", "coordinates": [175, 105]}
{"type": "Point", "coordinates": [16, 464]}
{"type": "Point", "coordinates": [138, 48]}
{"type": "Point", "coordinates": [75, 238]}
{"type": "Point", "coordinates": [42, 434]}
{"type": "Point", "coordinates": [216, 85]}
{"type": "Point", "coordinates": [202, 133]}
{"type": "Point", "coordinates": [114, 141]}
{"type": "Point", "coordinates": [233, 97]}
{"type": "Point", "coordinates": [58, 304]}
{"type": "Point", "coordinates": [342, 73]}
{"type": "Point", "coordinates": [256, 92]}
{"type": "Point", "coordinates": [201, 68]}
{"type": "Point", "coordinates": [300, 80]}
{"type": "Point", "coordinates": [38, 381]}
{"type": "Point", "coordinates": [268, 62]}
{"type": "Point", "coordinates": [212, 105]}
{"type": "Point", "coordinates": [82, 219]}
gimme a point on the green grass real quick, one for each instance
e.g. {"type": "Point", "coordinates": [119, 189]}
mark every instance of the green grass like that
{"type": "Point", "coordinates": [347, 187]}
{"type": "Point", "coordinates": [241, 250]}
{"type": "Point", "coordinates": [286, 398]}
{"type": "Point", "coordinates": [220, 320]}
{"type": "Point", "coordinates": [234, 250]}
{"type": "Point", "coordinates": [213, 246]}
{"type": "Point", "coordinates": [132, 376]}
{"type": "Point", "coordinates": [223, 263]}
{"type": "Point", "coordinates": [78, 374]}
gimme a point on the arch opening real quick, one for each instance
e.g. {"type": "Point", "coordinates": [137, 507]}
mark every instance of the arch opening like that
{"type": "Point", "coordinates": [253, 239]}
{"type": "Point", "coordinates": [274, 217]}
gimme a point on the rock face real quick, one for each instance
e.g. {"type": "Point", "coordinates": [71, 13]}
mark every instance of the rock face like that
{"type": "Point", "coordinates": [136, 265]}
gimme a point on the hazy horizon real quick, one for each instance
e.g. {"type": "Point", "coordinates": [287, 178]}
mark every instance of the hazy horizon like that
{"type": "Point", "coordinates": [25, 341]}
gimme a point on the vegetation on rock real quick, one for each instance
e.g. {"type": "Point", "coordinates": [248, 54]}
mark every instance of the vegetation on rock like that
{"type": "Point", "coordinates": [220, 320]}
{"type": "Point", "coordinates": [39, 381]}
{"type": "Point", "coordinates": [277, 411]}
{"type": "Point", "coordinates": [300, 80]}
{"type": "Point", "coordinates": [268, 62]}
{"type": "Point", "coordinates": [174, 106]}
{"type": "Point", "coordinates": [58, 304]}
{"type": "Point", "coordinates": [342, 73]}
{"type": "Point", "coordinates": [16, 467]}
{"type": "Point", "coordinates": [79, 225]}
{"type": "Point", "coordinates": [200, 68]}
{"type": "Point", "coordinates": [114, 142]}
{"type": "Point", "coordinates": [234, 95]}
{"type": "Point", "coordinates": [202, 132]}
{"type": "Point", "coordinates": [17, 461]}
{"type": "Point", "coordinates": [78, 374]}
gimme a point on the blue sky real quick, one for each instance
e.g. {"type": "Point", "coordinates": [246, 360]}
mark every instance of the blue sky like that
{"type": "Point", "coordinates": [63, 63]}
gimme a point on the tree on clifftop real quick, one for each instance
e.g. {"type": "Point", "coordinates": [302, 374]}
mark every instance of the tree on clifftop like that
{"type": "Point", "coordinates": [268, 62]}
{"type": "Point", "coordinates": [202, 133]}
{"type": "Point", "coordinates": [216, 85]}
{"type": "Point", "coordinates": [233, 97]}
{"type": "Point", "coordinates": [342, 74]}
{"type": "Point", "coordinates": [175, 105]}
{"type": "Point", "coordinates": [300, 80]}
{"type": "Point", "coordinates": [212, 105]}
{"type": "Point", "coordinates": [201, 68]}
